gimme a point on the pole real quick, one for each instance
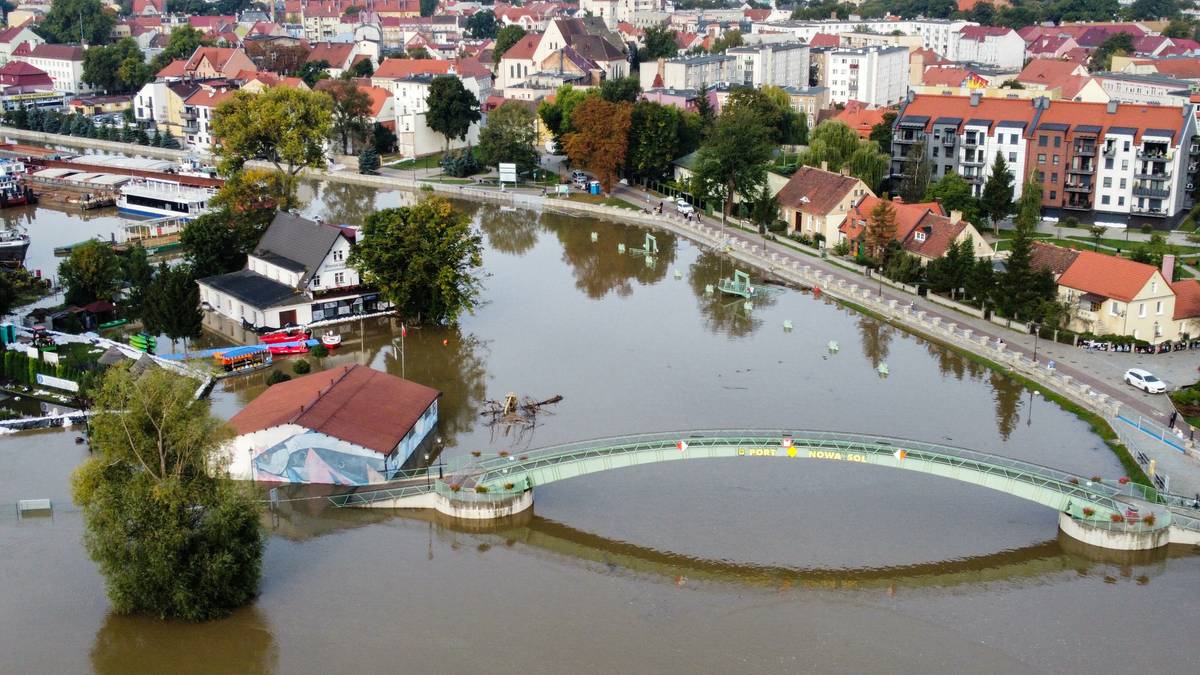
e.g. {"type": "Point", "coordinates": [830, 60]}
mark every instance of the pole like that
{"type": "Point", "coordinates": [1037, 330]}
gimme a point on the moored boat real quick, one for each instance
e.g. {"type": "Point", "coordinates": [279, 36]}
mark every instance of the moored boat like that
{"type": "Point", "coordinates": [13, 245]}
{"type": "Point", "coordinates": [331, 339]}
{"type": "Point", "coordinates": [158, 198]}
{"type": "Point", "coordinates": [286, 335]}
{"type": "Point", "coordinates": [296, 347]}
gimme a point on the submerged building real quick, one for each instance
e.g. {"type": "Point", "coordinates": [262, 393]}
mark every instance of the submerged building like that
{"type": "Point", "coordinates": [350, 426]}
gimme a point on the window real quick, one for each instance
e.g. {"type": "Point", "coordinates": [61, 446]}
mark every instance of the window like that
{"type": "Point", "coordinates": [1013, 140]}
{"type": "Point", "coordinates": [1112, 308]}
{"type": "Point", "coordinates": [1104, 199]}
{"type": "Point", "coordinates": [1120, 201]}
{"type": "Point", "coordinates": [1012, 158]}
{"type": "Point", "coordinates": [1053, 195]}
{"type": "Point", "coordinates": [1055, 159]}
{"type": "Point", "coordinates": [339, 278]}
{"type": "Point", "coordinates": [1107, 181]}
{"type": "Point", "coordinates": [1141, 310]}
{"type": "Point", "coordinates": [1041, 159]}
{"type": "Point", "coordinates": [317, 280]}
{"type": "Point", "coordinates": [1108, 162]}
{"type": "Point", "coordinates": [1042, 141]}
{"type": "Point", "coordinates": [1122, 183]}
{"type": "Point", "coordinates": [1124, 165]}
{"type": "Point", "coordinates": [1158, 307]}
{"type": "Point", "coordinates": [920, 236]}
{"type": "Point", "coordinates": [1126, 147]}
{"type": "Point", "coordinates": [935, 151]}
{"type": "Point", "coordinates": [1058, 141]}
{"type": "Point", "coordinates": [338, 255]}
{"type": "Point", "coordinates": [1054, 176]}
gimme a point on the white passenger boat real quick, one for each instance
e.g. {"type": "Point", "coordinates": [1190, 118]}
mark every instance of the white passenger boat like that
{"type": "Point", "coordinates": [153, 197]}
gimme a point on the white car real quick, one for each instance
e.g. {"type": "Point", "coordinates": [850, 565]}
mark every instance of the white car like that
{"type": "Point", "coordinates": [1144, 380]}
{"type": "Point", "coordinates": [683, 207]}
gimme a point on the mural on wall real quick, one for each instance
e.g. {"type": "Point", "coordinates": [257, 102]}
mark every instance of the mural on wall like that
{"type": "Point", "coordinates": [311, 458]}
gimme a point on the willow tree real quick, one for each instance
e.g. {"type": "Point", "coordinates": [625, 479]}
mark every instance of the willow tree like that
{"type": "Point", "coordinates": [172, 539]}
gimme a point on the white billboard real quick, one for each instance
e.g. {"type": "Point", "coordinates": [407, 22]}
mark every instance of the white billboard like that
{"type": "Point", "coordinates": [508, 172]}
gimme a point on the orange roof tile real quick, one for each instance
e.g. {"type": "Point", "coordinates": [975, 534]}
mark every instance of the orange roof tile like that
{"type": "Point", "coordinates": [1049, 72]}
{"type": "Point", "coordinates": [1107, 275]}
{"type": "Point", "coordinates": [814, 191]}
{"type": "Point", "coordinates": [176, 68]}
{"type": "Point", "coordinates": [1187, 298]}
{"type": "Point", "coordinates": [401, 68]}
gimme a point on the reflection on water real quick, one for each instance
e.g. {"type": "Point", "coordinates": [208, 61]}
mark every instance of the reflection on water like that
{"type": "Point", "coordinates": [242, 643]}
{"type": "Point", "coordinates": [876, 339]}
{"type": "Point", "coordinates": [598, 268]}
{"type": "Point", "coordinates": [724, 314]}
{"type": "Point", "coordinates": [509, 230]}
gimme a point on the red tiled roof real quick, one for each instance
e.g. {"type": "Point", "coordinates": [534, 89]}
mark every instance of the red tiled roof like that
{"type": "Point", "coordinates": [1107, 275]}
{"type": "Point", "coordinates": [907, 216]}
{"type": "Point", "coordinates": [7, 35]}
{"type": "Point", "coordinates": [824, 40]}
{"type": "Point", "coordinates": [1187, 67]}
{"type": "Point", "coordinates": [1047, 44]}
{"type": "Point", "coordinates": [208, 98]}
{"type": "Point", "coordinates": [356, 404]}
{"type": "Point", "coordinates": [980, 33]}
{"type": "Point", "coordinates": [1187, 298]}
{"type": "Point", "coordinates": [814, 191]}
{"type": "Point", "coordinates": [176, 68]}
{"type": "Point", "coordinates": [932, 235]}
{"type": "Point", "coordinates": [1049, 72]}
{"type": "Point", "coordinates": [1056, 259]}
{"type": "Point", "coordinates": [400, 68]}
{"type": "Point", "coordinates": [334, 53]}
{"type": "Point", "coordinates": [945, 76]}
{"type": "Point", "coordinates": [59, 52]}
{"type": "Point", "coordinates": [860, 117]}
{"type": "Point", "coordinates": [523, 48]}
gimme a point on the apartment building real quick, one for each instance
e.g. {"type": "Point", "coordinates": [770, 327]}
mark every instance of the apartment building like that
{"type": "Point", "coordinates": [63, 63]}
{"type": "Point", "coordinates": [935, 33]}
{"type": "Point", "coordinates": [990, 45]}
{"type": "Point", "coordinates": [690, 72]}
{"type": "Point", "coordinates": [874, 75]}
{"type": "Point", "coordinates": [782, 64]}
{"type": "Point", "coordinates": [616, 11]}
{"type": "Point", "coordinates": [1111, 163]}
{"type": "Point", "coordinates": [1155, 89]}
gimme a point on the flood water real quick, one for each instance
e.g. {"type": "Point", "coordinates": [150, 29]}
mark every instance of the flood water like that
{"type": "Point", "coordinates": [713, 566]}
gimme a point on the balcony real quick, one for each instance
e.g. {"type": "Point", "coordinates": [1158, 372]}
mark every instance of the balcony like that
{"type": "Point", "coordinates": [1157, 212]}
{"type": "Point", "coordinates": [971, 141]}
{"type": "Point", "coordinates": [1152, 175]}
{"type": "Point", "coordinates": [908, 138]}
{"type": "Point", "coordinates": [1110, 150]}
{"type": "Point", "coordinates": [974, 179]}
{"type": "Point", "coordinates": [189, 114]}
{"type": "Point", "coordinates": [1085, 168]}
{"type": "Point", "coordinates": [974, 160]}
{"type": "Point", "coordinates": [1154, 155]}
{"type": "Point", "coordinates": [949, 141]}
{"type": "Point", "coordinates": [1079, 205]}
{"type": "Point", "coordinates": [1078, 187]}
{"type": "Point", "coordinates": [1085, 150]}
{"type": "Point", "coordinates": [1143, 190]}
{"type": "Point", "coordinates": [191, 128]}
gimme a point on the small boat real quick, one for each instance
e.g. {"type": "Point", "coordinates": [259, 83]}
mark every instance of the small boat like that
{"type": "Point", "coordinates": [13, 245]}
{"type": "Point", "coordinates": [295, 347]}
{"type": "Point", "coordinates": [883, 369]}
{"type": "Point", "coordinates": [286, 335]}
{"type": "Point", "coordinates": [833, 346]}
{"type": "Point", "coordinates": [240, 359]}
{"type": "Point", "coordinates": [331, 339]}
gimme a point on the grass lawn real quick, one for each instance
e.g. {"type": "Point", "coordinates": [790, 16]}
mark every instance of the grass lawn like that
{"type": "Point", "coordinates": [1009, 234]}
{"type": "Point", "coordinates": [1123, 245]}
{"type": "Point", "coordinates": [606, 201]}
{"type": "Point", "coordinates": [433, 161]}
{"type": "Point", "coordinates": [448, 181]}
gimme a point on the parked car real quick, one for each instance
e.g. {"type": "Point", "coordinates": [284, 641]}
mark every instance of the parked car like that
{"type": "Point", "coordinates": [1144, 380]}
{"type": "Point", "coordinates": [682, 206]}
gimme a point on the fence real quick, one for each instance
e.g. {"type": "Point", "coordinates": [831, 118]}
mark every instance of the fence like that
{"type": "Point", "coordinates": [947, 302]}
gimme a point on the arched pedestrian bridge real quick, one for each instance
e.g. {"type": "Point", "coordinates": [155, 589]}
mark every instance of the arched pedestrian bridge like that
{"type": "Point", "coordinates": [503, 485]}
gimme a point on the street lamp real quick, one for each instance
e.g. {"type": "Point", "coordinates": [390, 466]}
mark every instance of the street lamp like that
{"type": "Point", "coordinates": [1037, 331]}
{"type": "Point", "coordinates": [427, 479]}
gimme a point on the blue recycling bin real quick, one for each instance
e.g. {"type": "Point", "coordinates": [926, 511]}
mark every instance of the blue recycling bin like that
{"type": "Point", "coordinates": [594, 187]}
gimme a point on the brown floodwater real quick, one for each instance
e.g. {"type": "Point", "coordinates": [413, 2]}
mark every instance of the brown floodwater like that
{"type": "Point", "coordinates": [714, 566]}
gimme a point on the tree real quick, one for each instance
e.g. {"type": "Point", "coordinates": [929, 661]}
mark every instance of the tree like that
{"type": "Point", "coordinates": [451, 109]}
{"type": "Point", "coordinates": [980, 281]}
{"type": "Point", "coordinates": [772, 106]}
{"type": "Point", "coordinates": [733, 158]}
{"type": "Point", "coordinates": [602, 139]}
{"type": "Point", "coordinates": [764, 210]}
{"type": "Point", "coordinates": [837, 146]}
{"type": "Point", "coordinates": [1021, 289]}
{"type": "Point", "coordinates": [954, 193]}
{"type": "Point", "coordinates": [1178, 28]}
{"type": "Point", "coordinates": [510, 136]}
{"type": "Point", "coordinates": [482, 25]}
{"type": "Point", "coordinates": [1154, 10]}
{"type": "Point", "coordinates": [557, 115]}
{"type": "Point", "coordinates": [137, 271]}
{"type": "Point", "coordinates": [172, 305]}
{"type": "Point", "coordinates": [731, 38]}
{"type": "Point", "coordinates": [383, 139]}
{"type": "Point", "coordinates": [505, 38]}
{"type": "Point", "coordinates": [77, 21]}
{"type": "Point", "coordinates": [654, 140]}
{"type": "Point", "coordinates": [313, 71]}
{"type": "Point", "coordinates": [211, 245]}
{"type": "Point", "coordinates": [949, 273]}
{"type": "Point", "coordinates": [8, 294]}
{"type": "Point", "coordinates": [882, 133]}
{"type": "Point", "coordinates": [182, 44]}
{"type": "Point", "coordinates": [286, 126]}
{"type": "Point", "coordinates": [659, 42]}
{"type": "Point", "coordinates": [419, 53]}
{"type": "Point", "coordinates": [361, 68]}
{"type": "Point", "coordinates": [91, 272]}
{"type": "Point", "coordinates": [704, 108]}
{"type": "Point", "coordinates": [1117, 44]}
{"type": "Point", "coordinates": [428, 7]}
{"type": "Point", "coordinates": [368, 161]}
{"type": "Point", "coordinates": [350, 114]}
{"type": "Point", "coordinates": [620, 89]}
{"type": "Point", "coordinates": [424, 259]}
{"type": "Point", "coordinates": [983, 13]}
{"type": "Point", "coordinates": [996, 202]}
{"type": "Point", "coordinates": [916, 174]}
{"type": "Point", "coordinates": [171, 540]}
{"type": "Point", "coordinates": [881, 229]}
{"type": "Point", "coordinates": [116, 68]}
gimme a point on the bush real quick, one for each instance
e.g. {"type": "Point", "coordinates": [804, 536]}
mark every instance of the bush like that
{"type": "Point", "coordinates": [1146, 229]}
{"type": "Point", "coordinates": [1070, 221]}
{"type": "Point", "coordinates": [301, 367]}
{"type": "Point", "coordinates": [276, 377]}
{"type": "Point", "coordinates": [320, 351]}
{"type": "Point", "coordinates": [460, 163]}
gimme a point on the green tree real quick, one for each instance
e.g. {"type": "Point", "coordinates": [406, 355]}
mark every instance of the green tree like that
{"type": "Point", "coordinates": [383, 139]}
{"type": "Point", "coordinates": [350, 114]}
{"type": "Point", "coordinates": [314, 71]}
{"type": "Point", "coordinates": [557, 115]}
{"type": "Point", "coordinates": [731, 38]}
{"type": "Point", "coordinates": [1020, 290]}
{"type": "Point", "coordinates": [620, 89]}
{"type": "Point", "coordinates": [1154, 10]}
{"type": "Point", "coordinates": [424, 259]}
{"type": "Point", "coordinates": [171, 540]}
{"type": "Point", "coordinates": [91, 272]}
{"type": "Point", "coordinates": [368, 161]}
{"type": "Point", "coordinates": [77, 21]}
{"type": "Point", "coordinates": [116, 68]}
{"type": "Point", "coordinates": [1117, 44]}
{"type": "Point", "coordinates": [172, 305]}
{"type": "Point", "coordinates": [138, 273]}
{"type": "Point", "coordinates": [211, 246]}
{"type": "Point", "coordinates": [983, 13]}
{"type": "Point", "coordinates": [764, 210]}
{"type": "Point", "coordinates": [882, 133]}
{"type": "Point", "coordinates": [733, 158]}
{"type": "Point", "coordinates": [658, 42]}
{"type": "Point", "coordinates": [980, 281]}
{"type": "Point", "coordinates": [482, 25]}
{"type": "Point", "coordinates": [771, 105]}
{"type": "Point", "coordinates": [916, 174]}
{"type": "Point", "coordinates": [361, 68]}
{"type": "Point", "coordinates": [182, 43]}
{"type": "Point", "coordinates": [505, 38]}
{"type": "Point", "coordinates": [704, 109]}
{"type": "Point", "coordinates": [954, 193]}
{"type": "Point", "coordinates": [996, 202]}
{"type": "Point", "coordinates": [428, 7]}
{"type": "Point", "coordinates": [1178, 28]}
{"type": "Point", "coordinates": [8, 294]}
{"type": "Point", "coordinates": [510, 136]}
{"type": "Point", "coordinates": [286, 126]}
{"type": "Point", "coordinates": [451, 109]}
{"type": "Point", "coordinates": [654, 140]}
{"type": "Point", "coordinates": [881, 229]}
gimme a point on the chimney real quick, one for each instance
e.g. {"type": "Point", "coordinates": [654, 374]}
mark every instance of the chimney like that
{"type": "Point", "coordinates": [1168, 267]}
{"type": "Point", "coordinates": [845, 171]}
{"type": "Point", "coordinates": [1112, 107]}
{"type": "Point", "coordinates": [975, 96]}
{"type": "Point", "coordinates": [824, 165]}
{"type": "Point", "coordinates": [955, 216]}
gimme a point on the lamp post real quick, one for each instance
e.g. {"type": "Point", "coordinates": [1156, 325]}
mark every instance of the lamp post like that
{"type": "Point", "coordinates": [427, 478]}
{"type": "Point", "coordinates": [1037, 331]}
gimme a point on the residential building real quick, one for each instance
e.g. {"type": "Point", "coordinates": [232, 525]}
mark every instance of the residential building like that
{"type": "Point", "coordinates": [1152, 89]}
{"type": "Point", "coordinates": [688, 72]}
{"type": "Point", "coordinates": [925, 230]}
{"type": "Point", "coordinates": [351, 425]}
{"type": "Point", "coordinates": [408, 80]}
{"type": "Point", "coordinates": [1111, 163]}
{"type": "Point", "coordinates": [25, 86]}
{"type": "Point", "coordinates": [860, 117]}
{"type": "Point", "coordinates": [588, 38]}
{"type": "Point", "coordinates": [616, 11]}
{"type": "Point", "coordinates": [297, 274]}
{"type": "Point", "coordinates": [814, 202]}
{"type": "Point", "coordinates": [161, 104]}
{"type": "Point", "coordinates": [874, 75]}
{"type": "Point", "coordinates": [14, 37]}
{"type": "Point", "coordinates": [990, 45]}
{"type": "Point", "coordinates": [199, 109]}
{"type": "Point", "coordinates": [780, 64]}
{"type": "Point", "coordinates": [935, 33]}
{"type": "Point", "coordinates": [808, 101]}
{"type": "Point", "coordinates": [63, 63]}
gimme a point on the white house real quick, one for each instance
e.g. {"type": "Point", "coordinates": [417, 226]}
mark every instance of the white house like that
{"type": "Point", "coordinates": [989, 45]}
{"type": "Point", "coordinates": [781, 64]}
{"type": "Point", "coordinates": [297, 274]}
{"type": "Point", "coordinates": [63, 63]}
{"type": "Point", "coordinates": [874, 75]}
{"type": "Point", "coordinates": [349, 426]}
{"type": "Point", "coordinates": [11, 38]}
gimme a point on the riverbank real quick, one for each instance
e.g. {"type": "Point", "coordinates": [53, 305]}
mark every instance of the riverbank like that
{"type": "Point", "coordinates": [1011, 352]}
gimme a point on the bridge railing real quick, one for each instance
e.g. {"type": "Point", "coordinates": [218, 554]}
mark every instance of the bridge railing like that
{"type": "Point", "coordinates": [377, 495]}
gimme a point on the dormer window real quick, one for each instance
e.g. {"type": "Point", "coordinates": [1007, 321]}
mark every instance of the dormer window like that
{"type": "Point", "coordinates": [920, 236]}
{"type": "Point", "coordinates": [338, 256]}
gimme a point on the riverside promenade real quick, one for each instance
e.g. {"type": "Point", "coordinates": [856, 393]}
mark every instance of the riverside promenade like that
{"type": "Point", "coordinates": [1090, 379]}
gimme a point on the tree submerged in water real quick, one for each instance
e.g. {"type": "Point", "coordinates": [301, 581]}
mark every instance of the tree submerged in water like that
{"type": "Point", "coordinates": [171, 539]}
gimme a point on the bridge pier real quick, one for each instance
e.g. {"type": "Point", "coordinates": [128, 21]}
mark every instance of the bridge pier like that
{"type": "Point", "coordinates": [464, 506]}
{"type": "Point", "coordinates": [1101, 535]}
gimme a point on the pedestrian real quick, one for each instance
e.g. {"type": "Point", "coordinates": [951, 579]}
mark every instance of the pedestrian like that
{"type": "Point", "coordinates": [1171, 422]}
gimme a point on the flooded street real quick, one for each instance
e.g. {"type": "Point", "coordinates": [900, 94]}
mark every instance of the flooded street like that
{"type": "Point", "coordinates": [713, 566]}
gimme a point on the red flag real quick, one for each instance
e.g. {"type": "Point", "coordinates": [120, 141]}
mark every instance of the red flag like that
{"type": "Point", "coordinates": [403, 330]}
